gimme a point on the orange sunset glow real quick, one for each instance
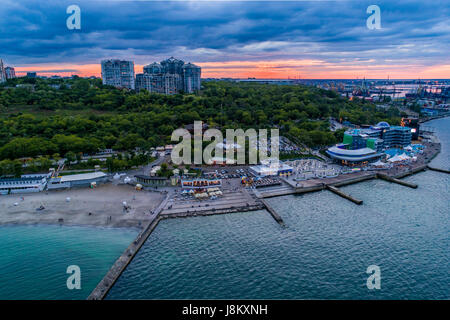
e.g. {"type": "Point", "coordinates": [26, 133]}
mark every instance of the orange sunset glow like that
{"type": "Point", "coordinates": [279, 69]}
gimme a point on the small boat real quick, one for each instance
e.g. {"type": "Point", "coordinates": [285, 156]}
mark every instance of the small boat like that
{"type": "Point", "coordinates": [40, 208]}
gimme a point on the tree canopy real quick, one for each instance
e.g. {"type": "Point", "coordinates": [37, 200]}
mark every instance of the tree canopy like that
{"type": "Point", "coordinates": [40, 117]}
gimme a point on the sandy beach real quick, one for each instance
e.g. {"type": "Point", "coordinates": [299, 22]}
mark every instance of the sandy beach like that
{"type": "Point", "coordinates": [101, 206]}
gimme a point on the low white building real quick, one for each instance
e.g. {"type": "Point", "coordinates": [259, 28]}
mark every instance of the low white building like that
{"type": "Point", "coordinates": [77, 180]}
{"type": "Point", "coordinates": [271, 167]}
{"type": "Point", "coordinates": [154, 171]}
{"type": "Point", "coordinates": [22, 185]}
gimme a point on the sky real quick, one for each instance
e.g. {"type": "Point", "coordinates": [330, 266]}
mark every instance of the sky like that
{"type": "Point", "coordinates": [238, 39]}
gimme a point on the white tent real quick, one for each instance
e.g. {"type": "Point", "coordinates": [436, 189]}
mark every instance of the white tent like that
{"type": "Point", "coordinates": [395, 158]}
{"type": "Point", "coordinates": [379, 163]}
{"type": "Point", "coordinates": [404, 156]}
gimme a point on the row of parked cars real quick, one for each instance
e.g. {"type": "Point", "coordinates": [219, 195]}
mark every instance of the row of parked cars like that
{"type": "Point", "coordinates": [226, 174]}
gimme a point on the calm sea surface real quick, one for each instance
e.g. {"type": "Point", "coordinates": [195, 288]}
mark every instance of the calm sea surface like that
{"type": "Point", "coordinates": [323, 253]}
{"type": "Point", "coordinates": [34, 259]}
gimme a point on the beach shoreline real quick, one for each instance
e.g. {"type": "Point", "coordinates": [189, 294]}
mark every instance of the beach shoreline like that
{"type": "Point", "coordinates": [101, 206]}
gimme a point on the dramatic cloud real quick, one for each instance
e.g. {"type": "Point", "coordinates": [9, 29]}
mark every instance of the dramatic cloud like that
{"type": "Point", "coordinates": [230, 38]}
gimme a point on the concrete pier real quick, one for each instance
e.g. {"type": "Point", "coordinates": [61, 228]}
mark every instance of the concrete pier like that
{"type": "Point", "coordinates": [410, 172]}
{"type": "Point", "coordinates": [102, 289]}
{"type": "Point", "coordinates": [395, 180]}
{"type": "Point", "coordinates": [438, 169]}
{"type": "Point", "coordinates": [210, 212]}
{"type": "Point", "coordinates": [273, 213]}
{"type": "Point", "coordinates": [343, 195]}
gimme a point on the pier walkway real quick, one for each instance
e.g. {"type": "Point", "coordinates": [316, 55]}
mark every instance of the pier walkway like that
{"type": "Point", "coordinates": [273, 213]}
{"type": "Point", "coordinates": [395, 180]}
{"type": "Point", "coordinates": [230, 201]}
{"type": "Point", "coordinates": [102, 289]}
{"type": "Point", "coordinates": [343, 195]}
{"type": "Point", "coordinates": [438, 169]}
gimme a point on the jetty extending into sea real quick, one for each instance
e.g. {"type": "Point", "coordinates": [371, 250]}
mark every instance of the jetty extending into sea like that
{"type": "Point", "coordinates": [103, 287]}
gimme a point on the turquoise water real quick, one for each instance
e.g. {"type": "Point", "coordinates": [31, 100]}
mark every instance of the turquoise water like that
{"type": "Point", "coordinates": [34, 259]}
{"type": "Point", "coordinates": [323, 253]}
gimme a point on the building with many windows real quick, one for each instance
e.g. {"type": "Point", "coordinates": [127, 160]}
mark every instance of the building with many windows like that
{"type": "Point", "coordinates": [2, 72]}
{"type": "Point", "coordinates": [25, 184]}
{"type": "Point", "coordinates": [365, 145]}
{"type": "Point", "coordinates": [6, 72]}
{"type": "Point", "coordinates": [150, 82]}
{"type": "Point", "coordinates": [171, 76]}
{"type": "Point", "coordinates": [191, 77]}
{"type": "Point", "coordinates": [118, 73]}
{"type": "Point", "coordinates": [10, 73]}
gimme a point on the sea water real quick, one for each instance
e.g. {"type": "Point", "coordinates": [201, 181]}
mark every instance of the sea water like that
{"type": "Point", "coordinates": [34, 259]}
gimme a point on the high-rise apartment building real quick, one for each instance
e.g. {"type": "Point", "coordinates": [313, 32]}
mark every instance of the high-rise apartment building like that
{"type": "Point", "coordinates": [191, 77]}
{"type": "Point", "coordinates": [2, 72]}
{"type": "Point", "coordinates": [151, 82]}
{"type": "Point", "coordinates": [10, 73]}
{"type": "Point", "coordinates": [171, 76]}
{"type": "Point", "coordinates": [118, 73]}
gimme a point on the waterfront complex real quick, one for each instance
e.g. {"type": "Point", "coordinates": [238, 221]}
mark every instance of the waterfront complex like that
{"type": "Point", "coordinates": [169, 77]}
{"type": "Point", "coordinates": [364, 145]}
{"type": "Point", "coordinates": [118, 73]}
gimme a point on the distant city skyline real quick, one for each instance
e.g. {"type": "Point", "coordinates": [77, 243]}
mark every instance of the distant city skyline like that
{"type": "Point", "coordinates": [287, 39]}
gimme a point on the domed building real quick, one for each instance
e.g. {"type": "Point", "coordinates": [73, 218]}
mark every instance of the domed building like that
{"type": "Point", "coordinates": [383, 125]}
{"type": "Point", "coordinates": [361, 146]}
{"type": "Point", "coordinates": [172, 66]}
